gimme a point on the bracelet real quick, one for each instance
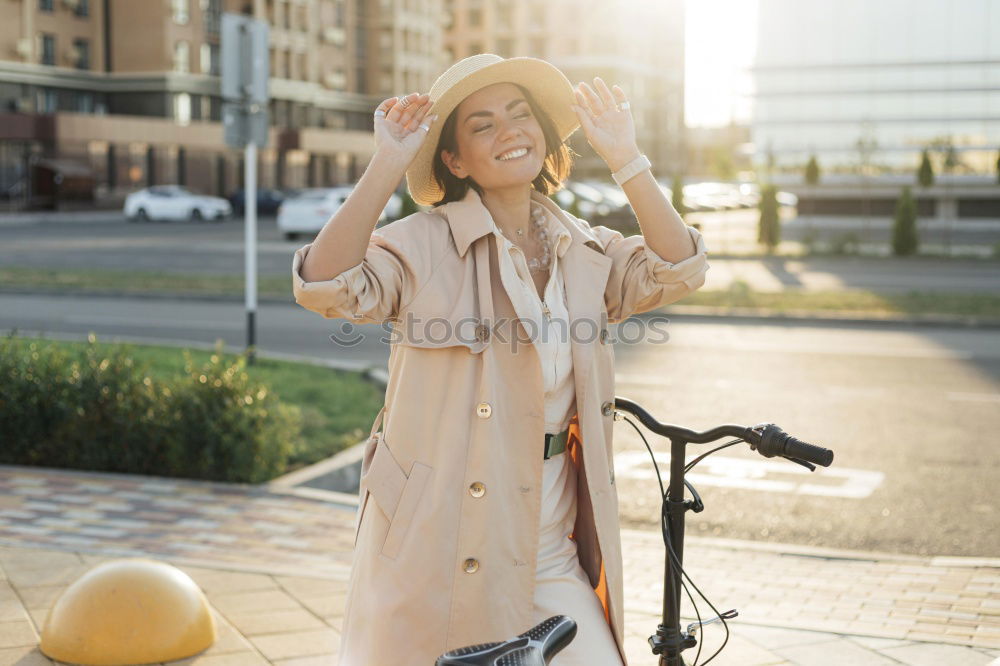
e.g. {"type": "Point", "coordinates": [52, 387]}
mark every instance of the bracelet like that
{"type": "Point", "coordinates": [633, 168]}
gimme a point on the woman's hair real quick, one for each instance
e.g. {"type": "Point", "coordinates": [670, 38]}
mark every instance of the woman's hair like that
{"type": "Point", "coordinates": [555, 168]}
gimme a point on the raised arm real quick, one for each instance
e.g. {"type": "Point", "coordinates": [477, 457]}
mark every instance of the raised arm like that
{"type": "Point", "coordinates": [350, 270]}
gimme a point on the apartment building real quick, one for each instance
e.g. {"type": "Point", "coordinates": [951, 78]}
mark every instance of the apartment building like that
{"type": "Point", "coordinates": [637, 44]}
{"type": "Point", "coordinates": [866, 86]}
{"type": "Point", "coordinates": [128, 90]}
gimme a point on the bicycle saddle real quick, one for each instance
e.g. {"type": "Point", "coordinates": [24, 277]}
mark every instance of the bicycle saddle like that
{"type": "Point", "coordinates": [534, 647]}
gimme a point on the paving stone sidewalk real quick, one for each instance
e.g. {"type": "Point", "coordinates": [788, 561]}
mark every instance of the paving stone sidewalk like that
{"type": "Point", "coordinates": [274, 568]}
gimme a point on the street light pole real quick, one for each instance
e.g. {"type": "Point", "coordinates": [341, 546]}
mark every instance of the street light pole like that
{"type": "Point", "coordinates": [250, 245]}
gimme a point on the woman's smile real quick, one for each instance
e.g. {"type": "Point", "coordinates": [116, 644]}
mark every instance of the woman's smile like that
{"type": "Point", "coordinates": [517, 155]}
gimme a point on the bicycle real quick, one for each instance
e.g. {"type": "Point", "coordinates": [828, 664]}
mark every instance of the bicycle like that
{"type": "Point", "coordinates": [538, 645]}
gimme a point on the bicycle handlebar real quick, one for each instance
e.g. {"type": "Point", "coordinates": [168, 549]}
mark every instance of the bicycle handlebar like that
{"type": "Point", "coordinates": [766, 439]}
{"type": "Point", "coordinates": [776, 442]}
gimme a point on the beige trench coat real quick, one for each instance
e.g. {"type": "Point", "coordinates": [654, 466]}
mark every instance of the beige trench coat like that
{"type": "Point", "coordinates": [447, 523]}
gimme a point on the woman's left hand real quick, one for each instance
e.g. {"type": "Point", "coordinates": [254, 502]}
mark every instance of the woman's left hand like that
{"type": "Point", "coordinates": [610, 130]}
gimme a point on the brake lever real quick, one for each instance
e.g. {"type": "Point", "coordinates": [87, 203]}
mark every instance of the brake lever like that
{"type": "Point", "coordinates": [807, 465]}
{"type": "Point", "coordinates": [728, 615]}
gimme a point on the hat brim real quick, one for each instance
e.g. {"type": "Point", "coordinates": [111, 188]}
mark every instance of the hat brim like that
{"type": "Point", "coordinates": [550, 88]}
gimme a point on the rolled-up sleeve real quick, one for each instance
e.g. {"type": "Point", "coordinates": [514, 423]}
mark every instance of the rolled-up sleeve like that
{"type": "Point", "coordinates": [641, 280]}
{"type": "Point", "coordinates": [368, 293]}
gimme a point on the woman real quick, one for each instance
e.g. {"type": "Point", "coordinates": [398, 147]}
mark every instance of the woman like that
{"type": "Point", "coordinates": [487, 502]}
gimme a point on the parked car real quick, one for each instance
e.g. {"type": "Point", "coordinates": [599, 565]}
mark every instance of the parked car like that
{"type": "Point", "coordinates": [268, 200]}
{"type": "Point", "coordinates": [173, 202]}
{"type": "Point", "coordinates": [307, 212]}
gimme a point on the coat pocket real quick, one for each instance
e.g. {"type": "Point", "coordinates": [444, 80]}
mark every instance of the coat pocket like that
{"type": "Point", "coordinates": [396, 494]}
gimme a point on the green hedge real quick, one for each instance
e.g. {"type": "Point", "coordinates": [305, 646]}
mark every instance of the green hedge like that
{"type": "Point", "coordinates": [98, 410]}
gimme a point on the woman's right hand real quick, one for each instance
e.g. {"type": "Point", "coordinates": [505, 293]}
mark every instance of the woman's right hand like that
{"type": "Point", "coordinates": [398, 134]}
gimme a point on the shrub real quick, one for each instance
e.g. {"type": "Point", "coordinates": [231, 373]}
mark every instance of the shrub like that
{"type": "Point", "coordinates": [904, 226]}
{"type": "Point", "coordinates": [97, 410]}
{"type": "Point", "coordinates": [812, 171]}
{"type": "Point", "coordinates": [677, 195]}
{"type": "Point", "coordinates": [925, 175]}
{"type": "Point", "coordinates": [769, 226]}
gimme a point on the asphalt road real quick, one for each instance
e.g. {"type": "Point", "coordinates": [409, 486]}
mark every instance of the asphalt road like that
{"type": "Point", "coordinates": [217, 249]}
{"type": "Point", "coordinates": [912, 414]}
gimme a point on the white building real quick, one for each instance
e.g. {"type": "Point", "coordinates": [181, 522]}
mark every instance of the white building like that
{"type": "Point", "coordinates": [875, 81]}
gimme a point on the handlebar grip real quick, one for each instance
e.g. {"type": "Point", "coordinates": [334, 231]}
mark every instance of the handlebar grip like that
{"type": "Point", "coordinates": [776, 442]}
{"type": "Point", "coordinates": [796, 448]}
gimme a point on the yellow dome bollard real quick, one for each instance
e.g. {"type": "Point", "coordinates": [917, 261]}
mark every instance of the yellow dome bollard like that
{"type": "Point", "coordinates": [128, 611]}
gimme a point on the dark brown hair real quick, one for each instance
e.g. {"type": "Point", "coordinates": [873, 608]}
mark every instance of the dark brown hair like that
{"type": "Point", "coordinates": [555, 168]}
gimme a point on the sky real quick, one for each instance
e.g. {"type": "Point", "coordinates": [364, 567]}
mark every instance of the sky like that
{"type": "Point", "coordinates": [720, 38]}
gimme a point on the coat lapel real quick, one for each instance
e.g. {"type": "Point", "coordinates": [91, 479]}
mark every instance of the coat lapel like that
{"type": "Point", "coordinates": [585, 268]}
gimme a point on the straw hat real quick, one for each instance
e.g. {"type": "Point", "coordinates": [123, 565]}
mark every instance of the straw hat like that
{"type": "Point", "coordinates": [551, 89]}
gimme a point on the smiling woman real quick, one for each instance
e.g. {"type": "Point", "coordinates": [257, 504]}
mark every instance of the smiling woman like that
{"type": "Point", "coordinates": [469, 149]}
{"type": "Point", "coordinates": [487, 501]}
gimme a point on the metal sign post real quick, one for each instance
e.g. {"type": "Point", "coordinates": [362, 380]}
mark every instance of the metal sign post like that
{"type": "Point", "coordinates": [245, 95]}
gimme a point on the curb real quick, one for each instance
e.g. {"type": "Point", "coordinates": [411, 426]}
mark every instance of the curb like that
{"type": "Point", "coordinates": [826, 316]}
{"type": "Point", "coordinates": [682, 311]}
{"type": "Point", "coordinates": [795, 550]}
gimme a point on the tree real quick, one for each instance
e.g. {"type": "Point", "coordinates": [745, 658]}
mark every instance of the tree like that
{"type": "Point", "coordinates": [769, 228]}
{"type": "Point", "coordinates": [950, 158]}
{"type": "Point", "coordinates": [677, 195]}
{"type": "Point", "coordinates": [722, 162]}
{"type": "Point", "coordinates": [925, 175]}
{"type": "Point", "coordinates": [904, 226]}
{"type": "Point", "coordinates": [812, 171]}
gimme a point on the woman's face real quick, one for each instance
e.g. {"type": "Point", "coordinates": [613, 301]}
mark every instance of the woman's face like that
{"type": "Point", "coordinates": [490, 122]}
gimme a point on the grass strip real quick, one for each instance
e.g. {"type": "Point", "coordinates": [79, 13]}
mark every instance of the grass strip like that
{"type": "Point", "coordinates": [738, 295]}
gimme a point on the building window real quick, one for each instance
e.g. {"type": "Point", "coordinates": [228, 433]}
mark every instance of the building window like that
{"type": "Point", "coordinates": [303, 67]}
{"type": "Point", "coordinates": [505, 16]}
{"type": "Point", "coordinates": [182, 57]}
{"type": "Point", "coordinates": [505, 47]}
{"type": "Point", "coordinates": [209, 59]}
{"type": "Point", "coordinates": [48, 49]}
{"type": "Point", "coordinates": [538, 47]}
{"type": "Point", "coordinates": [475, 17]}
{"type": "Point", "coordinates": [182, 108]}
{"type": "Point", "coordinates": [83, 102]}
{"type": "Point", "coordinates": [180, 11]}
{"type": "Point", "coordinates": [46, 5]}
{"type": "Point", "coordinates": [82, 8]}
{"type": "Point", "coordinates": [286, 63]}
{"type": "Point", "coordinates": [81, 50]}
{"type": "Point", "coordinates": [211, 16]}
{"type": "Point", "coordinates": [47, 100]}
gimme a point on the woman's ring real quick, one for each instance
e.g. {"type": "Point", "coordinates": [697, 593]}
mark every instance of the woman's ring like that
{"type": "Point", "coordinates": [424, 127]}
{"type": "Point", "coordinates": [404, 103]}
{"type": "Point", "coordinates": [379, 112]}
{"type": "Point", "coordinates": [623, 106]}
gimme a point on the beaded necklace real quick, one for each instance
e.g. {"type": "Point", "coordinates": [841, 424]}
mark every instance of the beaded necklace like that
{"type": "Point", "coordinates": [541, 235]}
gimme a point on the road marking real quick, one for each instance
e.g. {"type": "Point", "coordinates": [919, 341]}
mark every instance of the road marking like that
{"type": "Point", "coordinates": [724, 384]}
{"type": "Point", "coordinates": [776, 476]}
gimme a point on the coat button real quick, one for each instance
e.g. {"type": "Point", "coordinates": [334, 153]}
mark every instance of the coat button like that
{"type": "Point", "coordinates": [608, 408]}
{"type": "Point", "coordinates": [605, 336]}
{"type": "Point", "coordinates": [471, 565]}
{"type": "Point", "coordinates": [483, 333]}
{"type": "Point", "coordinates": [483, 410]}
{"type": "Point", "coordinates": [477, 489]}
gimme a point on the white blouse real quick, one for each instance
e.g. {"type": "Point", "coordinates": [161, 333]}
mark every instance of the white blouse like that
{"type": "Point", "coordinates": [546, 321]}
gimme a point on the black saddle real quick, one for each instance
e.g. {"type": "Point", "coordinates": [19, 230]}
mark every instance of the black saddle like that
{"type": "Point", "coordinates": [534, 647]}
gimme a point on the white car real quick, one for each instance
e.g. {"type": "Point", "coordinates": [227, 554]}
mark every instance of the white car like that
{"type": "Point", "coordinates": [173, 202]}
{"type": "Point", "coordinates": [307, 212]}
